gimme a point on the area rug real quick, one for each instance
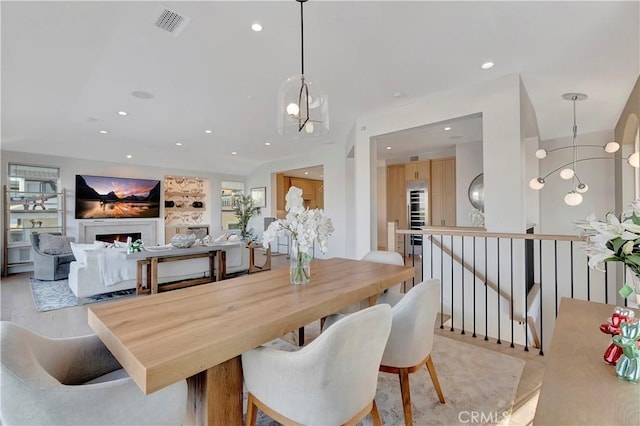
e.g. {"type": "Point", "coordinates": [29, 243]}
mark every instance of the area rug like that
{"type": "Point", "coordinates": [52, 295]}
{"type": "Point", "coordinates": [479, 387]}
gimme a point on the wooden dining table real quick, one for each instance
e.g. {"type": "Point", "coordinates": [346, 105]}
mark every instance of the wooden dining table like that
{"type": "Point", "coordinates": [198, 333]}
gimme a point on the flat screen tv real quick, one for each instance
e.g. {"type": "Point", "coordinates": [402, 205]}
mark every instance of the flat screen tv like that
{"type": "Point", "coordinates": [99, 197]}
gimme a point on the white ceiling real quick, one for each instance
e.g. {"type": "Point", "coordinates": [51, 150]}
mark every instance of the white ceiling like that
{"type": "Point", "coordinates": [68, 67]}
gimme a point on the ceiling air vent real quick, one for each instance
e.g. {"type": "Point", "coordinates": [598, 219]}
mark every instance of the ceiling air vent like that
{"type": "Point", "coordinates": [413, 158]}
{"type": "Point", "coordinates": [171, 21]}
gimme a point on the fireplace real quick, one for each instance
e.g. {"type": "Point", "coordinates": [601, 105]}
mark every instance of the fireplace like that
{"type": "Point", "coordinates": [122, 237]}
{"type": "Point", "coordinates": [146, 230]}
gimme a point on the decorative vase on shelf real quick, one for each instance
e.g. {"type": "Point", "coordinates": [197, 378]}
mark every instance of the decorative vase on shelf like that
{"type": "Point", "coordinates": [300, 266]}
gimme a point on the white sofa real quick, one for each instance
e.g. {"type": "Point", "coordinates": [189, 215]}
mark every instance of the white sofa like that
{"type": "Point", "coordinates": [86, 278]}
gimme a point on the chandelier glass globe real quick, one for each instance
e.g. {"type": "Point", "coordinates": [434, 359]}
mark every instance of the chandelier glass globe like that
{"type": "Point", "coordinates": [536, 183]}
{"type": "Point", "coordinates": [567, 174]}
{"type": "Point", "coordinates": [573, 199]}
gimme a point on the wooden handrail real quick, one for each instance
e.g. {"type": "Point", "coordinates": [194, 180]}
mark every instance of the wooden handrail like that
{"type": "Point", "coordinates": [466, 232]}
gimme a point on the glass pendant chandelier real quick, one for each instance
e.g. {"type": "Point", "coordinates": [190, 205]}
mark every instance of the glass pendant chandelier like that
{"type": "Point", "coordinates": [568, 171]}
{"type": "Point", "coordinates": [303, 105]}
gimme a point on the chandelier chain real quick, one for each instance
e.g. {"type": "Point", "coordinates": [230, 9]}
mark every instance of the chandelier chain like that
{"type": "Point", "coordinates": [302, 37]}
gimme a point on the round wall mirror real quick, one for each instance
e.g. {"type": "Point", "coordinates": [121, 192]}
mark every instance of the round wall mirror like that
{"type": "Point", "coordinates": [476, 192]}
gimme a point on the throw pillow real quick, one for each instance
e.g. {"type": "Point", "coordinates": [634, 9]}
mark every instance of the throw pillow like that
{"type": "Point", "coordinates": [54, 244]}
{"type": "Point", "coordinates": [80, 250]}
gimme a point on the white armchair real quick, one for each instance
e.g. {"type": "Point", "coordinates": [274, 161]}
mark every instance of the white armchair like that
{"type": "Point", "coordinates": [331, 381]}
{"type": "Point", "coordinates": [76, 381]}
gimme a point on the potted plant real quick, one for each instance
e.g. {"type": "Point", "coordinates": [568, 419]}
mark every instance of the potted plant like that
{"type": "Point", "coordinates": [244, 209]}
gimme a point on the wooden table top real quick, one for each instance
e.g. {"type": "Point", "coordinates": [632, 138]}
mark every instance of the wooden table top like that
{"type": "Point", "coordinates": [578, 387]}
{"type": "Point", "coordinates": [174, 251]}
{"type": "Point", "coordinates": [163, 338]}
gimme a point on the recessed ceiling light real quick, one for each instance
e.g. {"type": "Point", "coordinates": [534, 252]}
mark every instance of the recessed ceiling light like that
{"type": "Point", "coordinates": [123, 113]}
{"type": "Point", "coordinates": [446, 129]}
{"type": "Point", "coordinates": [487, 65]}
{"type": "Point", "coordinates": [104, 132]}
{"type": "Point", "coordinates": [306, 173]}
{"type": "Point", "coordinates": [234, 153]}
{"type": "Point", "coordinates": [398, 95]}
{"type": "Point", "coordinates": [267, 143]}
{"type": "Point", "coordinates": [129, 156]}
{"type": "Point", "coordinates": [256, 27]}
{"type": "Point", "coordinates": [179, 143]}
{"type": "Point", "coordinates": [388, 147]}
{"type": "Point", "coordinates": [208, 131]}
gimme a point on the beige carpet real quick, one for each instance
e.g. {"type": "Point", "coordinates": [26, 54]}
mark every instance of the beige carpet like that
{"type": "Point", "coordinates": [479, 386]}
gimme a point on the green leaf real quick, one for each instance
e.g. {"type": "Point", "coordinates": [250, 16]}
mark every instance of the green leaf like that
{"type": "Point", "coordinates": [633, 258]}
{"type": "Point", "coordinates": [635, 219]}
{"type": "Point", "coordinates": [617, 243]}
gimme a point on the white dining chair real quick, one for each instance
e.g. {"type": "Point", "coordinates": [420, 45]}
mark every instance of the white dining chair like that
{"type": "Point", "coordinates": [76, 381]}
{"type": "Point", "coordinates": [411, 338]}
{"type": "Point", "coordinates": [377, 256]}
{"type": "Point", "coordinates": [388, 257]}
{"type": "Point", "coordinates": [331, 381]}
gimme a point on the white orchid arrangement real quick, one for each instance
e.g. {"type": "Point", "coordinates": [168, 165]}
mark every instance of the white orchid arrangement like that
{"type": "Point", "coordinates": [616, 239]}
{"type": "Point", "coordinates": [304, 225]}
{"type": "Point", "coordinates": [476, 216]}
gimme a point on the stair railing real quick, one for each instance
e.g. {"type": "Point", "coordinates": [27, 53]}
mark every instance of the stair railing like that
{"type": "Point", "coordinates": [515, 281]}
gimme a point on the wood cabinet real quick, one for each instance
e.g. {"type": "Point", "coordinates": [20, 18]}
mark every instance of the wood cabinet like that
{"type": "Point", "coordinates": [443, 192]}
{"type": "Point", "coordinates": [397, 200]}
{"type": "Point", "coordinates": [417, 170]}
{"type": "Point", "coordinates": [312, 192]}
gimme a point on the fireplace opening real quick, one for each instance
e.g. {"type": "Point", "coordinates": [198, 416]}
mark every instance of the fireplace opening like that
{"type": "Point", "coordinates": [121, 236]}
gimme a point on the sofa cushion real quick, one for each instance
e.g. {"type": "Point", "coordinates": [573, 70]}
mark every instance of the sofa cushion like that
{"type": "Point", "coordinates": [54, 244]}
{"type": "Point", "coordinates": [79, 250]}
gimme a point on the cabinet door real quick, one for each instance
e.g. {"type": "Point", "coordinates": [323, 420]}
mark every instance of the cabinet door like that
{"type": "Point", "coordinates": [423, 171]}
{"type": "Point", "coordinates": [396, 196]}
{"type": "Point", "coordinates": [449, 212]}
{"type": "Point", "coordinates": [410, 171]}
{"type": "Point", "coordinates": [443, 192]}
{"type": "Point", "coordinates": [436, 194]}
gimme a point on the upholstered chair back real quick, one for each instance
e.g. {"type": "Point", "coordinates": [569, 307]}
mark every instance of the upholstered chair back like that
{"type": "Point", "coordinates": [75, 381]}
{"type": "Point", "coordinates": [388, 257]}
{"type": "Point", "coordinates": [328, 381]}
{"type": "Point", "coordinates": [414, 316]}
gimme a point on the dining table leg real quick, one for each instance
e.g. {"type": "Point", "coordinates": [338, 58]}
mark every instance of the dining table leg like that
{"type": "Point", "coordinates": [215, 395]}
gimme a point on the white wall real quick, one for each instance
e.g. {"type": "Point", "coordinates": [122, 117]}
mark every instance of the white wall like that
{"type": "Point", "coordinates": [69, 167]}
{"type": "Point", "coordinates": [381, 190]}
{"type": "Point", "coordinates": [333, 158]}
{"type": "Point", "coordinates": [531, 170]}
{"type": "Point", "coordinates": [468, 166]}
{"type": "Point", "coordinates": [499, 102]}
{"type": "Point", "coordinates": [555, 216]}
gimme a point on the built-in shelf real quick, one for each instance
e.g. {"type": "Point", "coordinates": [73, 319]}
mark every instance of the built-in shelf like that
{"type": "Point", "coordinates": [27, 212]}
{"type": "Point", "coordinates": [179, 195]}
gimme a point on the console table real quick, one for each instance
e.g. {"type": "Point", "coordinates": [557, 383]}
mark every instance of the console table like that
{"type": "Point", "coordinates": [578, 387]}
{"type": "Point", "coordinates": [148, 261]}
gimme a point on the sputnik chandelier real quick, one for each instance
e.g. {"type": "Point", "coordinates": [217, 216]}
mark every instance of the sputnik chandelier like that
{"type": "Point", "coordinates": [303, 107]}
{"type": "Point", "coordinates": [569, 171]}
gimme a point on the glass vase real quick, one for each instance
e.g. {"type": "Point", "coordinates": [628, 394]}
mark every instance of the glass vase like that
{"type": "Point", "coordinates": [631, 291]}
{"type": "Point", "coordinates": [300, 266]}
